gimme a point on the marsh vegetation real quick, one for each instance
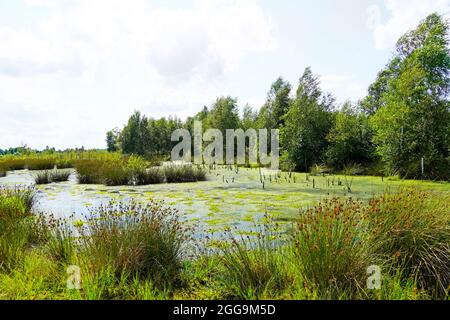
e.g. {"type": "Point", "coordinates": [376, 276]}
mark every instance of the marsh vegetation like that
{"type": "Point", "coordinates": [144, 251]}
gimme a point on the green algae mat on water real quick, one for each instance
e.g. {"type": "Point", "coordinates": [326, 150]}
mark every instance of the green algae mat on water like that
{"type": "Point", "coordinates": [229, 198]}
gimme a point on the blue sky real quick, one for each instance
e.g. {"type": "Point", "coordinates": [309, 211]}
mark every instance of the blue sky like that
{"type": "Point", "coordinates": [72, 69]}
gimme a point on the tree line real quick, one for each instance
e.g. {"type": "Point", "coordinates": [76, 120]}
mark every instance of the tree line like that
{"type": "Point", "coordinates": [401, 127]}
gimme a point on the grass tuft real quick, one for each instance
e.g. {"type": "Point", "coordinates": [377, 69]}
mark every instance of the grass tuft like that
{"type": "Point", "coordinates": [330, 242]}
{"type": "Point", "coordinates": [134, 240]}
{"type": "Point", "coordinates": [49, 176]}
{"type": "Point", "coordinates": [411, 229]}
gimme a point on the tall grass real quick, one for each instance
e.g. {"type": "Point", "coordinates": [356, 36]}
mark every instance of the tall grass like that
{"type": "Point", "coordinates": [13, 164]}
{"type": "Point", "coordinates": [116, 174]}
{"type": "Point", "coordinates": [49, 176]}
{"type": "Point", "coordinates": [132, 240]}
{"type": "Point", "coordinates": [61, 240]}
{"type": "Point", "coordinates": [17, 229]}
{"type": "Point", "coordinates": [40, 164]}
{"type": "Point", "coordinates": [185, 173]}
{"type": "Point", "coordinates": [89, 171]}
{"type": "Point", "coordinates": [64, 163]}
{"type": "Point", "coordinates": [3, 170]}
{"type": "Point", "coordinates": [149, 176]}
{"type": "Point", "coordinates": [137, 251]}
{"type": "Point", "coordinates": [330, 242]}
{"type": "Point", "coordinates": [411, 229]}
{"type": "Point", "coordinates": [31, 162]}
{"type": "Point", "coordinates": [256, 267]}
{"type": "Point", "coordinates": [112, 171]}
{"type": "Point", "coordinates": [42, 177]}
{"type": "Point", "coordinates": [25, 195]}
{"type": "Point", "coordinates": [118, 170]}
{"type": "Point", "coordinates": [60, 175]}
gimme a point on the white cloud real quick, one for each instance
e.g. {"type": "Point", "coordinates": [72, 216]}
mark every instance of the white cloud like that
{"type": "Point", "coordinates": [89, 64]}
{"type": "Point", "coordinates": [404, 15]}
{"type": "Point", "coordinates": [343, 86]}
{"type": "Point", "coordinates": [41, 3]}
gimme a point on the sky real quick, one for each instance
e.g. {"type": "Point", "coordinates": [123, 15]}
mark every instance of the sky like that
{"type": "Point", "coordinates": [70, 70]}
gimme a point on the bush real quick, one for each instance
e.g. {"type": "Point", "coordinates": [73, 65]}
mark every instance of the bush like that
{"type": "Point", "coordinates": [353, 169]}
{"type": "Point", "coordinates": [143, 241]}
{"type": "Point", "coordinates": [330, 242]}
{"type": "Point", "coordinates": [412, 230]}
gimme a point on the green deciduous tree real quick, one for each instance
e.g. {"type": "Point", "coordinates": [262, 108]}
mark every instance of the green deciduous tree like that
{"type": "Point", "coordinates": [306, 124]}
{"type": "Point", "coordinates": [249, 118]}
{"type": "Point", "coordinates": [350, 139]}
{"type": "Point", "coordinates": [131, 136]}
{"type": "Point", "coordinates": [271, 115]}
{"type": "Point", "coordinates": [223, 115]}
{"type": "Point", "coordinates": [112, 140]}
{"type": "Point", "coordinates": [412, 121]}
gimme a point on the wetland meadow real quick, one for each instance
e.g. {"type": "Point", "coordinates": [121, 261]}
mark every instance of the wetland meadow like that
{"type": "Point", "coordinates": [235, 233]}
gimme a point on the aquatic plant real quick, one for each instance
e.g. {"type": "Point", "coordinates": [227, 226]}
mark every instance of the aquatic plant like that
{"type": "Point", "coordinates": [40, 164]}
{"type": "Point", "coordinates": [411, 229]}
{"type": "Point", "coordinates": [26, 195]}
{"type": "Point", "coordinates": [257, 266]}
{"type": "Point", "coordinates": [89, 171]}
{"type": "Point", "coordinates": [184, 173]}
{"type": "Point", "coordinates": [60, 175]}
{"type": "Point", "coordinates": [330, 242]}
{"type": "Point", "coordinates": [42, 177]}
{"type": "Point", "coordinates": [148, 176]}
{"type": "Point", "coordinates": [115, 174]}
{"type": "Point", "coordinates": [16, 225]}
{"type": "Point", "coordinates": [49, 176]}
{"type": "Point", "coordinates": [144, 241]}
{"type": "Point", "coordinates": [13, 164]}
